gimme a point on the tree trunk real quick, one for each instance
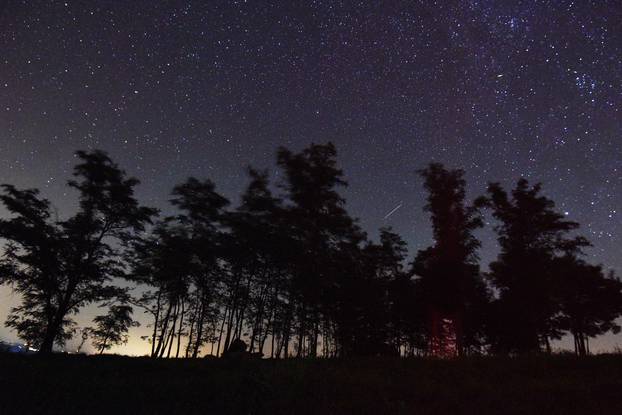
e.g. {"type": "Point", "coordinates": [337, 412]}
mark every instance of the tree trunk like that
{"type": "Point", "coordinates": [193, 319]}
{"type": "Point", "coordinates": [171, 336]}
{"type": "Point", "coordinates": [181, 325]}
{"type": "Point", "coordinates": [52, 331]}
{"type": "Point", "coordinates": [103, 346]}
{"type": "Point", "coordinates": [199, 334]}
{"type": "Point", "coordinates": [163, 330]}
{"type": "Point", "coordinates": [222, 328]}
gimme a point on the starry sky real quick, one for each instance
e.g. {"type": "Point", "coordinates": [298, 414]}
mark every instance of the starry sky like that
{"type": "Point", "coordinates": [502, 89]}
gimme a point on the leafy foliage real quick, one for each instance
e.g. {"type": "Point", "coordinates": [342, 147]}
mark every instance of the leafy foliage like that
{"type": "Point", "coordinates": [59, 266]}
{"type": "Point", "coordinates": [288, 271]}
{"type": "Point", "coordinates": [111, 328]}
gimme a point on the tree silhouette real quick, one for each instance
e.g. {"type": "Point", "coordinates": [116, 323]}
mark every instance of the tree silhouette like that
{"type": "Point", "coordinates": [451, 290]}
{"type": "Point", "coordinates": [111, 328]}
{"type": "Point", "coordinates": [181, 264]}
{"type": "Point", "coordinates": [60, 266]}
{"type": "Point", "coordinates": [381, 325]}
{"type": "Point", "coordinates": [33, 264]}
{"type": "Point", "coordinates": [590, 302]}
{"type": "Point", "coordinates": [163, 263]}
{"type": "Point", "coordinates": [404, 323]}
{"type": "Point", "coordinates": [258, 251]}
{"type": "Point", "coordinates": [321, 228]}
{"type": "Point", "coordinates": [294, 273]}
{"type": "Point", "coordinates": [202, 214]}
{"type": "Point", "coordinates": [531, 235]}
{"type": "Point", "coordinates": [85, 333]}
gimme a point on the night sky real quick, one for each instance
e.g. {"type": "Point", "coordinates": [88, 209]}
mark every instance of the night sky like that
{"type": "Point", "coordinates": [502, 89]}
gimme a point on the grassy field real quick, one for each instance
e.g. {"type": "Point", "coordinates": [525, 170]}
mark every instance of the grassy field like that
{"type": "Point", "coordinates": [117, 385]}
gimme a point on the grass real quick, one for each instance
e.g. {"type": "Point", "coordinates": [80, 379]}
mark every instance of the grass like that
{"type": "Point", "coordinates": [64, 384]}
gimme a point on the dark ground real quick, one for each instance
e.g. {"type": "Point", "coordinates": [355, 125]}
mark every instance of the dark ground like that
{"type": "Point", "coordinates": [116, 385]}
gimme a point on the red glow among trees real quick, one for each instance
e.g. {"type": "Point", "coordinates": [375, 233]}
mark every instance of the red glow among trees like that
{"type": "Point", "coordinates": [443, 341]}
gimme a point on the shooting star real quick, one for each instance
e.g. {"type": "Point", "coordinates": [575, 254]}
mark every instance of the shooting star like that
{"type": "Point", "coordinates": [395, 209]}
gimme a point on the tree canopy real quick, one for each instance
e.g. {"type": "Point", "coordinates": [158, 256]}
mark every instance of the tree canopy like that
{"type": "Point", "coordinates": [289, 272]}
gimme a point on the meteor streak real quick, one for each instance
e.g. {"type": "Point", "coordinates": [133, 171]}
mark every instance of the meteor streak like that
{"type": "Point", "coordinates": [393, 211]}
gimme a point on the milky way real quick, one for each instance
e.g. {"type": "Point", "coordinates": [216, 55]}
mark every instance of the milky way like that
{"type": "Point", "coordinates": [501, 89]}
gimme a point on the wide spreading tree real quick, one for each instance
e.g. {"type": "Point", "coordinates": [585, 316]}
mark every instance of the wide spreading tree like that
{"type": "Point", "coordinates": [589, 300]}
{"type": "Point", "coordinates": [59, 266]}
{"type": "Point", "coordinates": [531, 235]}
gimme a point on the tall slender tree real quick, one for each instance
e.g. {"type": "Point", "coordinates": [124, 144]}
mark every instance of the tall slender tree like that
{"type": "Point", "coordinates": [320, 227]}
{"type": "Point", "coordinates": [452, 292]}
{"type": "Point", "coordinates": [403, 327]}
{"type": "Point", "coordinates": [258, 251]}
{"type": "Point", "coordinates": [163, 264]}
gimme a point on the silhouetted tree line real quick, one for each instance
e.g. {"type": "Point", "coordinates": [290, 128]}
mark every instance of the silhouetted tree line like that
{"type": "Point", "coordinates": [292, 273]}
